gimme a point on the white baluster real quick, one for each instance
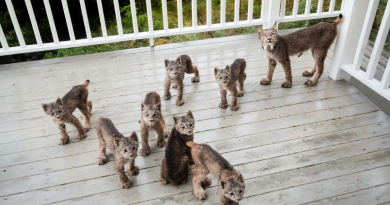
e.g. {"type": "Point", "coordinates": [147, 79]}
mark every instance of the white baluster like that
{"type": "Point", "coordinates": [118, 18]}
{"type": "Point", "coordinates": [33, 22]}
{"type": "Point", "coordinates": [51, 21]}
{"type": "Point", "coordinates": [102, 20]}
{"type": "Point", "coordinates": [68, 20]}
{"type": "Point", "coordinates": [85, 19]}
{"type": "Point", "coordinates": [15, 22]}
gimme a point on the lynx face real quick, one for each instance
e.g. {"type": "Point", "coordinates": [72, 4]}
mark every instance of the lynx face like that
{"type": "Point", "coordinates": [223, 76]}
{"type": "Point", "coordinates": [127, 146]}
{"type": "Point", "coordinates": [151, 113]}
{"type": "Point", "coordinates": [185, 124]}
{"type": "Point", "coordinates": [233, 188]}
{"type": "Point", "coordinates": [55, 109]}
{"type": "Point", "coordinates": [268, 37]}
{"type": "Point", "coordinates": [174, 68]}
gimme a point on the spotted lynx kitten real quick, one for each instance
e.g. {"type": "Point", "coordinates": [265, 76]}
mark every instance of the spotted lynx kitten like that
{"type": "Point", "coordinates": [152, 119]}
{"type": "Point", "coordinates": [231, 185]}
{"type": "Point", "coordinates": [61, 111]}
{"type": "Point", "coordinates": [124, 149]}
{"type": "Point", "coordinates": [317, 38]}
{"type": "Point", "coordinates": [175, 76]}
{"type": "Point", "coordinates": [231, 78]}
{"type": "Point", "coordinates": [175, 164]}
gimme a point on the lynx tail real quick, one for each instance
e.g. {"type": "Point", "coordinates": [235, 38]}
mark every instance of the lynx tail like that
{"type": "Point", "coordinates": [191, 144]}
{"type": "Point", "coordinates": [338, 20]}
{"type": "Point", "coordinates": [86, 83]}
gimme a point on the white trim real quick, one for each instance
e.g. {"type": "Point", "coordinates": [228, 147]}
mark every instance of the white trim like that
{"type": "Point", "coordinates": [51, 21]}
{"type": "Point", "coordinates": [15, 23]}
{"type": "Point", "coordinates": [102, 20]}
{"type": "Point", "coordinates": [85, 19]}
{"type": "Point", "coordinates": [68, 20]}
{"type": "Point", "coordinates": [33, 22]}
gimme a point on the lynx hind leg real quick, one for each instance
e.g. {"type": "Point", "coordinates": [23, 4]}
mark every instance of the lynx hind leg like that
{"type": "Point", "coordinates": [196, 77]}
{"type": "Point", "coordinates": [86, 118]}
{"type": "Point", "coordinates": [319, 58]}
{"type": "Point", "coordinates": [174, 86]}
{"type": "Point", "coordinates": [164, 180]}
{"type": "Point", "coordinates": [89, 106]}
{"type": "Point", "coordinates": [310, 72]}
{"type": "Point", "coordinates": [240, 85]}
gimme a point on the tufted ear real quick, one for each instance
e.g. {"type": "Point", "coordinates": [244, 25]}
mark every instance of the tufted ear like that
{"type": "Point", "coordinates": [239, 177]}
{"type": "Point", "coordinates": [142, 106]}
{"type": "Point", "coordinates": [227, 68]}
{"type": "Point", "coordinates": [59, 101]}
{"type": "Point", "coordinates": [166, 62]}
{"type": "Point", "coordinates": [175, 119]}
{"type": "Point", "coordinates": [134, 136]}
{"type": "Point", "coordinates": [45, 106]}
{"type": "Point", "coordinates": [275, 26]}
{"type": "Point", "coordinates": [189, 114]}
{"type": "Point", "coordinates": [158, 106]}
{"type": "Point", "coordinates": [117, 140]}
{"type": "Point", "coordinates": [259, 30]}
{"type": "Point", "coordinates": [222, 184]}
{"type": "Point", "coordinates": [179, 60]}
{"type": "Point", "coordinates": [216, 70]}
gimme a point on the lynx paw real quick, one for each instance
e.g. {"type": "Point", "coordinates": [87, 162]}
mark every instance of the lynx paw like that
{"type": "Point", "coordinates": [164, 181]}
{"type": "Point", "coordinates": [240, 93]}
{"type": "Point", "coordinates": [101, 161]}
{"type": "Point", "coordinates": [64, 141]}
{"type": "Point", "coordinates": [201, 195]}
{"type": "Point", "coordinates": [206, 182]}
{"type": "Point", "coordinates": [174, 86]}
{"type": "Point", "coordinates": [134, 171]}
{"type": "Point", "coordinates": [167, 97]}
{"type": "Point", "coordinates": [307, 73]}
{"type": "Point", "coordinates": [82, 136]}
{"type": "Point", "coordinates": [161, 143]}
{"type": "Point", "coordinates": [265, 81]}
{"type": "Point", "coordinates": [286, 85]}
{"type": "Point", "coordinates": [166, 134]}
{"type": "Point", "coordinates": [180, 103]}
{"type": "Point", "coordinates": [126, 185]}
{"type": "Point", "coordinates": [86, 129]}
{"type": "Point", "coordinates": [234, 108]}
{"type": "Point", "coordinates": [195, 79]}
{"type": "Point", "coordinates": [223, 105]}
{"type": "Point", "coordinates": [311, 82]}
{"type": "Point", "coordinates": [144, 152]}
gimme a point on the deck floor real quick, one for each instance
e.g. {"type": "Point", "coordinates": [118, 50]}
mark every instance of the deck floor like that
{"type": "Point", "coordinates": [326, 144]}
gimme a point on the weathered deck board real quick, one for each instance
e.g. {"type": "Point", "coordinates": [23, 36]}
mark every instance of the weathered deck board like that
{"type": "Point", "coordinates": [293, 146]}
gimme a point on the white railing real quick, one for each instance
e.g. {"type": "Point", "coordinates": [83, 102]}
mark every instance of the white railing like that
{"type": "Point", "coordinates": [271, 11]}
{"type": "Point", "coordinates": [352, 42]}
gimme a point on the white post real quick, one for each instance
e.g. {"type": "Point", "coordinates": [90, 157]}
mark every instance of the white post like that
{"type": "Point", "coordinates": [379, 43]}
{"type": "Point", "coordinates": [118, 18]}
{"type": "Point", "coordinates": [15, 22]}
{"type": "Point", "coordinates": [367, 25]}
{"type": "Point", "coordinates": [208, 13]}
{"type": "Point", "coordinates": [85, 19]}
{"type": "Point", "coordinates": [295, 8]}
{"type": "Point", "coordinates": [33, 22]}
{"type": "Point", "coordinates": [101, 16]}
{"type": "Point", "coordinates": [320, 4]}
{"type": "Point", "coordinates": [223, 12]}
{"type": "Point", "coordinates": [331, 6]}
{"type": "Point", "coordinates": [385, 82]}
{"type": "Point", "coordinates": [180, 14]}
{"type": "Point", "coordinates": [283, 9]}
{"type": "Point", "coordinates": [134, 16]}
{"type": "Point", "coordinates": [236, 11]}
{"type": "Point", "coordinates": [150, 21]}
{"type": "Point", "coordinates": [264, 9]}
{"type": "Point", "coordinates": [307, 8]}
{"type": "Point", "coordinates": [194, 14]}
{"type": "Point", "coordinates": [347, 40]}
{"type": "Point", "coordinates": [273, 13]}
{"type": "Point", "coordinates": [51, 21]}
{"type": "Point", "coordinates": [3, 40]}
{"type": "Point", "coordinates": [165, 14]}
{"type": "Point", "coordinates": [68, 21]}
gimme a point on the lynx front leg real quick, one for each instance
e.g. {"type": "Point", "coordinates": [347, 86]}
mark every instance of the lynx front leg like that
{"type": "Point", "coordinates": [167, 85]}
{"type": "Point", "coordinates": [271, 68]}
{"type": "Point", "coordinates": [133, 170]}
{"type": "Point", "coordinates": [223, 103]}
{"type": "Point", "coordinates": [102, 157]}
{"type": "Point", "coordinates": [125, 181]}
{"type": "Point", "coordinates": [64, 135]}
{"type": "Point", "coordinates": [199, 177]}
{"type": "Point", "coordinates": [287, 72]}
{"type": "Point", "coordinates": [179, 98]}
{"type": "Point", "coordinates": [234, 105]}
{"type": "Point", "coordinates": [76, 123]}
{"type": "Point", "coordinates": [145, 151]}
{"type": "Point", "coordinates": [160, 136]}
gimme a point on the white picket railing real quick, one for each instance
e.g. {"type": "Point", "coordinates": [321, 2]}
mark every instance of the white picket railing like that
{"type": "Point", "coordinates": [271, 11]}
{"type": "Point", "coordinates": [352, 42]}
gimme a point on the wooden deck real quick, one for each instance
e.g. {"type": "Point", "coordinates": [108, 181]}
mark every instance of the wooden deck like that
{"type": "Point", "coordinates": [326, 144]}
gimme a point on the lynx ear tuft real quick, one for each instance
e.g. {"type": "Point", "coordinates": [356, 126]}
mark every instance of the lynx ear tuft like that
{"type": "Point", "coordinates": [166, 62]}
{"type": "Point", "coordinates": [134, 136]}
{"type": "Point", "coordinates": [239, 177]}
{"type": "Point", "coordinates": [158, 106]}
{"type": "Point", "coordinates": [179, 60]}
{"type": "Point", "coordinates": [45, 106]}
{"type": "Point", "coordinates": [275, 26]}
{"type": "Point", "coordinates": [142, 106]}
{"type": "Point", "coordinates": [227, 68]}
{"type": "Point", "coordinates": [117, 140]}
{"type": "Point", "coordinates": [216, 70]}
{"type": "Point", "coordinates": [175, 119]}
{"type": "Point", "coordinates": [59, 101]}
{"type": "Point", "coordinates": [189, 114]}
{"type": "Point", "coordinates": [260, 30]}
{"type": "Point", "coordinates": [222, 184]}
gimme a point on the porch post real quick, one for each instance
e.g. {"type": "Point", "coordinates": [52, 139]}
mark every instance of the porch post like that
{"type": "Point", "coordinates": [350, 28]}
{"type": "Point", "coordinates": [273, 13]}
